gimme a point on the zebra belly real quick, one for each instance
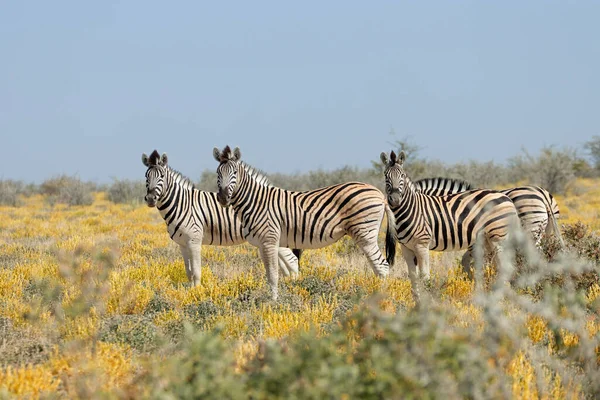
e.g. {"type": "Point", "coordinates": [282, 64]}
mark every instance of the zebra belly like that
{"type": "Point", "coordinates": [183, 236]}
{"type": "Point", "coordinates": [440, 247]}
{"type": "Point", "coordinates": [306, 242]}
{"type": "Point", "coordinates": [222, 239]}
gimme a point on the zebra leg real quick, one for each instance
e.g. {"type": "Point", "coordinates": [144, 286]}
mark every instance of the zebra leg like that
{"type": "Point", "coordinates": [195, 250]}
{"type": "Point", "coordinates": [288, 262]}
{"type": "Point", "coordinates": [422, 254]}
{"type": "Point", "coordinates": [411, 262]}
{"type": "Point", "coordinates": [553, 226]}
{"type": "Point", "coordinates": [268, 253]}
{"type": "Point", "coordinates": [466, 262]}
{"type": "Point", "coordinates": [504, 269]}
{"type": "Point", "coordinates": [187, 262]}
{"type": "Point", "coordinates": [282, 267]}
{"type": "Point", "coordinates": [537, 232]}
{"type": "Point", "coordinates": [368, 244]}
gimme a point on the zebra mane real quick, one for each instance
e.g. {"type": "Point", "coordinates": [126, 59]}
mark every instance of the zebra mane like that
{"type": "Point", "coordinates": [180, 179]}
{"type": "Point", "coordinates": [440, 184]}
{"type": "Point", "coordinates": [256, 174]}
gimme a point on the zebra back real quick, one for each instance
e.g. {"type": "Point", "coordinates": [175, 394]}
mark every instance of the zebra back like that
{"type": "Point", "coordinates": [442, 223]}
{"type": "Point", "coordinates": [441, 186]}
{"type": "Point", "coordinates": [533, 203]}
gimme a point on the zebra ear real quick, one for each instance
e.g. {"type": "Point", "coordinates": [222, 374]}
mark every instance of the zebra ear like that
{"type": "Point", "coordinates": [145, 160]}
{"type": "Point", "coordinates": [392, 158]}
{"type": "Point", "coordinates": [217, 154]}
{"type": "Point", "coordinates": [164, 160]}
{"type": "Point", "coordinates": [401, 157]}
{"type": "Point", "coordinates": [237, 154]}
{"type": "Point", "coordinates": [384, 158]}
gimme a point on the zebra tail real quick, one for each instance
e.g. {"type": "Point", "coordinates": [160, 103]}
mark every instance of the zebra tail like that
{"type": "Point", "coordinates": [555, 226]}
{"type": "Point", "coordinates": [390, 236]}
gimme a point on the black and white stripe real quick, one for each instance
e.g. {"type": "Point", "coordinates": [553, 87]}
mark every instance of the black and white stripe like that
{"type": "Point", "coordinates": [537, 208]}
{"type": "Point", "coordinates": [274, 217]}
{"type": "Point", "coordinates": [194, 217]}
{"type": "Point", "coordinates": [443, 223]}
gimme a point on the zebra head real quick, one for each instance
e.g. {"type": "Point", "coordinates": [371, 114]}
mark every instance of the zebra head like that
{"type": "Point", "coordinates": [155, 176]}
{"type": "Point", "coordinates": [395, 177]}
{"type": "Point", "coordinates": [227, 173]}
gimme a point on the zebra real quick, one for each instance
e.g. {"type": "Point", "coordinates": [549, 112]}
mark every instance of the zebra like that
{"type": "Point", "coordinates": [273, 216]}
{"type": "Point", "coordinates": [193, 217]}
{"type": "Point", "coordinates": [535, 205]}
{"type": "Point", "coordinates": [452, 222]}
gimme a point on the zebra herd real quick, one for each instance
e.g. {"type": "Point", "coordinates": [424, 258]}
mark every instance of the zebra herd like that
{"type": "Point", "coordinates": [433, 214]}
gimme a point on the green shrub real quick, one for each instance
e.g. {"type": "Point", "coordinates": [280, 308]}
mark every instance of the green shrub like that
{"type": "Point", "coordinates": [314, 286]}
{"type": "Point", "coordinates": [137, 331]}
{"type": "Point", "coordinates": [583, 241]}
{"type": "Point", "coordinates": [203, 368]}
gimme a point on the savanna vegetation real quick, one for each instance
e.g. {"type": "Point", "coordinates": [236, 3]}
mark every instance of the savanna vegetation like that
{"type": "Point", "coordinates": [94, 302]}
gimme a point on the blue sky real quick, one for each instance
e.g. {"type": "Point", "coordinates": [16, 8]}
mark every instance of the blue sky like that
{"type": "Point", "coordinates": [85, 88]}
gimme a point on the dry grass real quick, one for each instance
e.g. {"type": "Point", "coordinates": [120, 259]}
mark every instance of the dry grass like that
{"type": "Point", "coordinates": [91, 296]}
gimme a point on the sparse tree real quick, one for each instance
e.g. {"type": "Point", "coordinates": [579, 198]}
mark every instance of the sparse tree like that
{"type": "Point", "coordinates": [415, 167]}
{"type": "Point", "coordinates": [593, 148]}
{"type": "Point", "coordinates": [553, 169]}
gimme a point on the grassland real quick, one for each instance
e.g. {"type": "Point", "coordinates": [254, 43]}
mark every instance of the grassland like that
{"type": "Point", "coordinates": [94, 303]}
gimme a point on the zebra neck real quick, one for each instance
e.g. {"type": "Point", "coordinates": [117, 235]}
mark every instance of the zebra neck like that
{"type": "Point", "coordinates": [242, 199]}
{"type": "Point", "coordinates": [409, 196]}
{"type": "Point", "coordinates": [176, 187]}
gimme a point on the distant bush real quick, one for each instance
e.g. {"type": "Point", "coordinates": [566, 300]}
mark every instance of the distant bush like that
{"type": "Point", "coordinates": [593, 148]}
{"type": "Point", "coordinates": [553, 169]}
{"type": "Point", "coordinates": [208, 180]}
{"type": "Point", "coordinates": [126, 191]}
{"type": "Point", "coordinates": [69, 190]}
{"type": "Point", "coordinates": [10, 192]}
{"type": "Point", "coordinates": [313, 179]}
{"type": "Point", "coordinates": [320, 178]}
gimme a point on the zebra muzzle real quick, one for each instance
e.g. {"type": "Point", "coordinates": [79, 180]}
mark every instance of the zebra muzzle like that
{"type": "Point", "coordinates": [222, 198]}
{"type": "Point", "coordinates": [150, 201]}
{"type": "Point", "coordinates": [394, 198]}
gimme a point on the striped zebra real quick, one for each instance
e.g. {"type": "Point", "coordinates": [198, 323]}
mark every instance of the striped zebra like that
{"type": "Point", "coordinates": [193, 217]}
{"type": "Point", "coordinates": [537, 208]}
{"type": "Point", "coordinates": [313, 219]}
{"type": "Point", "coordinates": [452, 222]}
